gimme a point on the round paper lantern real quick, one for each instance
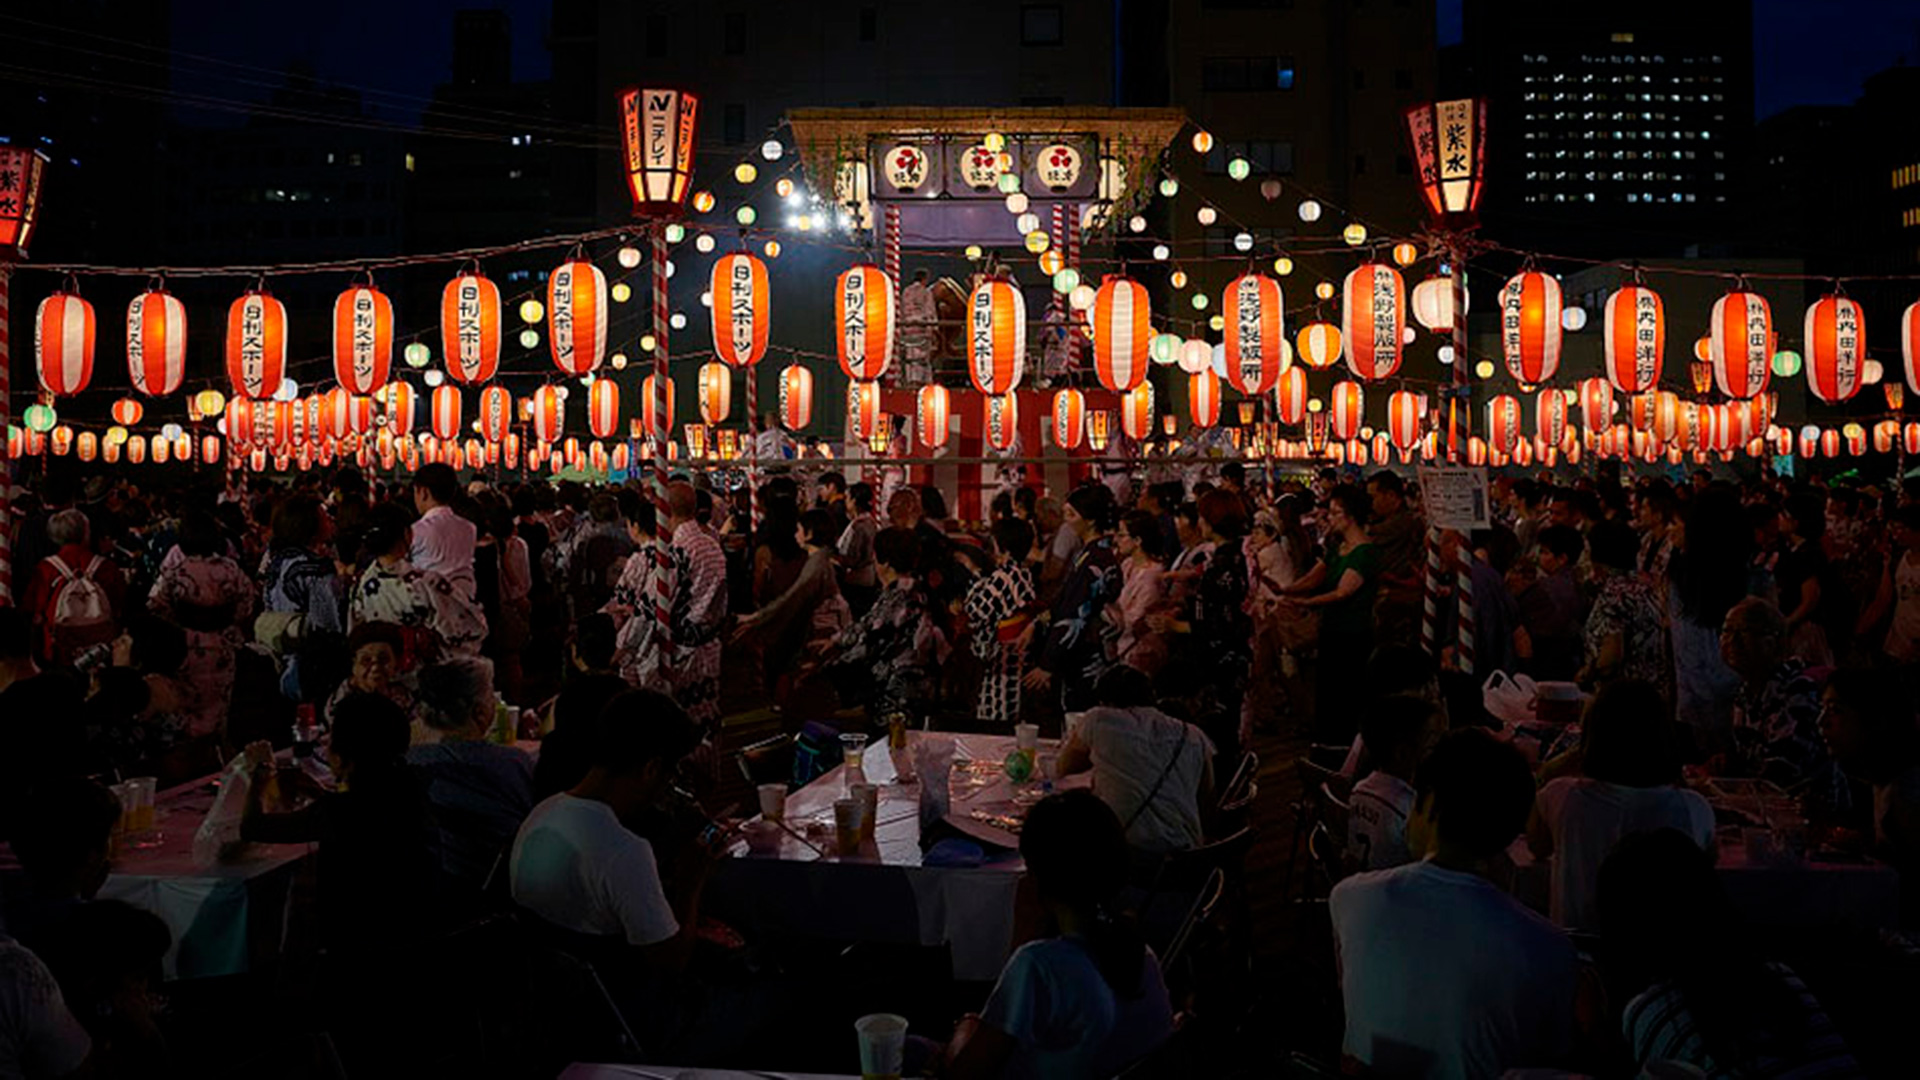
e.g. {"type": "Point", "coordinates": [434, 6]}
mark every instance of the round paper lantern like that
{"type": "Point", "coordinates": [603, 409]}
{"type": "Point", "coordinates": [1318, 345]}
{"type": "Point", "coordinates": [256, 344]}
{"type": "Point", "coordinates": [1403, 419]}
{"type": "Point", "coordinates": [1635, 338]}
{"type": "Point", "coordinates": [1347, 403]}
{"type": "Point", "coordinates": [997, 337]}
{"type": "Point", "coordinates": [739, 290]}
{"type": "Point", "coordinates": [1503, 423]}
{"type": "Point", "coordinates": [1596, 404]}
{"type": "Point", "coordinates": [863, 317]}
{"type": "Point", "coordinates": [157, 343]}
{"type": "Point", "coordinates": [930, 416]}
{"type": "Point", "coordinates": [1195, 355]}
{"type": "Point", "coordinates": [446, 412]}
{"type": "Point", "coordinates": [63, 343]}
{"type": "Point", "coordinates": [362, 339]}
{"type": "Point", "coordinates": [1372, 318]}
{"type": "Point", "coordinates": [549, 414]}
{"type": "Point", "coordinates": [1530, 326]}
{"type": "Point", "coordinates": [1121, 333]}
{"type": "Point", "coordinates": [1550, 416]}
{"type": "Point", "coordinates": [652, 421]}
{"type": "Point", "coordinates": [470, 328]}
{"type": "Point", "coordinates": [1290, 396]}
{"type": "Point", "coordinates": [1740, 347]}
{"type": "Point", "coordinates": [1069, 419]}
{"type": "Point", "coordinates": [715, 388]}
{"type": "Point", "coordinates": [496, 412]}
{"type": "Point", "coordinates": [863, 409]}
{"type": "Point", "coordinates": [1136, 412]}
{"type": "Point", "coordinates": [796, 397]}
{"type": "Point", "coordinates": [126, 412]}
{"type": "Point", "coordinates": [1256, 331]}
{"type": "Point", "coordinates": [1835, 344]}
{"type": "Point", "coordinates": [1433, 304]}
{"type": "Point", "coordinates": [1203, 398]}
{"type": "Point", "coordinates": [1001, 420]}
{"type": "Point", "coordinates": [577, 316]}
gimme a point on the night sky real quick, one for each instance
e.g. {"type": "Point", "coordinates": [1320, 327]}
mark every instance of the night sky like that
{"type": "Point", "coordinates": [1806, 51]}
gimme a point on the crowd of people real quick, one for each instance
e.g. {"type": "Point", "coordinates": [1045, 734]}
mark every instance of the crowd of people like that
{"type": "Point", "coordinates": [1757, 628]}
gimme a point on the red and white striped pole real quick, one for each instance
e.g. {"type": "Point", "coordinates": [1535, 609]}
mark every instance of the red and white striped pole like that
{"type": "Point", "coordinates": [1430, 598]}
{"type": "Point", "coordinates": [890, 263]}
{"type": "Point", "coordinates": [753, 444]}
{"type": "Point", "coordinates": [663, 531]}
{"type": "Point", "coordinates": [1463, 587]}
{"type": "Point", "coordinates": [1073, 260]}
{"type": "Point", "coordinates": [6, 417]}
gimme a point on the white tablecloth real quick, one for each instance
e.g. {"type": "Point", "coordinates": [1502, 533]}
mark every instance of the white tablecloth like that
{"type": "Point", "coordinates": [585, 1071]}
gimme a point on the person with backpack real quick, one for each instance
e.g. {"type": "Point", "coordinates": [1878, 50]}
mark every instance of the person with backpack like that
{"type": "Point", "coordinates": [77, 596]}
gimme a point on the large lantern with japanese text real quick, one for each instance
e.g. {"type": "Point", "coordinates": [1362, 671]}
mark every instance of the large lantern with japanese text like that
{"type": "Point", "coordinates": [1596, 404]}
{"type": "Point", "coordinates": [1203, 398]}
{"type": "Point", "coordinates": [930, 415]}
{"type": "Point", "coordinates": [1373, 316]}
{"type": "Point", "coordinates": [657, 129]}
{"type": "Point", "coordinates": [1290, 395]}
{"type": "Point", "coordinates": [1449, 142]}
{"type": "Point", "coordinates": [1256, 345]}
{"type": "Point", "coordinates": [1121, 333]}
{"type": "Point", "coordinates": [1503, 422]}
{"type": "Point", "coordinates": [1347, 402]}
{"type": "Point", "coordinates": [1635, 339]}
{"type": "Point", "coordinates": [577, 316]}
{"type": "Point", "coordinates": [1550, 416]}
{"type": "Point", "coordinates": [496, 413]}
{"type": "Point", "coordinates": [256, 344]}
{"type": "Point", "coordinates": [603, 409]}
{"type": "Point", "coordinates": [796, 397]}
{"type": "Point", "coordinates": [156, 342]}
{"type": "Point", "coordinates": [1069, 418]}
{"type": "Point", "coordinates": [863, 319]}
{"type": "Point", "coordinates": [1530, 326]}
{"type": "Point", "coordinates": [362, 339]}
{"type": "Point", "coordinates": [63, 342]}
{"type": "Point", "coordinates": [1740, 347]}
{"type": "Point", "coordinates": [470, 327]}
{"type": "Point", "coordinates": [996, 336]}
{"type": "Point", "coordinates": [1836, 346]}
{"type": "Point", "coordinates": [739, 294]}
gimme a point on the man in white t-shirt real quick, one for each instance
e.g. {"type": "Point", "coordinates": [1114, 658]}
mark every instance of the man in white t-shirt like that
{"type": "Point", "coordinates": [577, 865]}
{"type": "Point", "coordinates": [1155, 771]}
{"type": "Point", "coordinates": [1394, 731]}
{"type": "Point", "coordinates": [443, 541]}
{"type": "Point", "coordinates": [38, 1036]}
{"type": "Point", "coordinates": [1443, 974]}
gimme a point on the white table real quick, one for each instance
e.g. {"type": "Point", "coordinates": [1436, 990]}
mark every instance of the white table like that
{"type": "Point", "coordinates": [586, 1071]}
{"type": "Point", "coordinates": [887, 894]}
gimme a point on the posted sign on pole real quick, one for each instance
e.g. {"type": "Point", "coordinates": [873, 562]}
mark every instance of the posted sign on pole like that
{"type": "Point", "coordinates": [1456, 498]}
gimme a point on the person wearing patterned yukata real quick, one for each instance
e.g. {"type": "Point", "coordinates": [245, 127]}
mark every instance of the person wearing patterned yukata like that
{"type": "Point", "coordinates": [999, 611]}
{"type": "Point", "coordinates": [687, 664]}
{"type": "Point", "coordinates": [1074, 652]}
{"type": "Point", "coordinates": [432, 610]}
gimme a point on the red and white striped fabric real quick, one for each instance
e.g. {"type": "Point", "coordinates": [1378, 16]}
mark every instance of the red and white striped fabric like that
{"type": "Point", "coordinates": [863, 319]}
{"type": "Point", "coordinates": [1550, 416]}
{"type": "Point", "coordinates": [359, 412]}
{"type": "Point", "coordinates": [1741, 344]}
{"type": "Point", "coordinates": [496, 413]}
{"type": "Point", "coordinates": [1666, 416]}
{"type": "Point", "coordinates": [302, 419]}
{"type": "Point", "coordinates": [931, 415]}
{"type": "Point", "coordinates": [714, 390]}
{"type": "Point", "coordinates": [650, 423]}
{"type": "Point", "coordinates": [237, 423]}
{"type": "Point", "coordinates": [1203, 398]}
{"type": "Point", "coordinates": [603, 409]}
{"type": "Point", "coordinates": [577, 316]}
{"type": "Point", "coordinates": [1403, 419]}
{"type": "Point", "coordinates": [1503, 422]}
{"type": "Point", "coordinates": [1836, 340]}
{"type": "Point", "coordinates": [1001, 419]}
{"type": "Point", "coordinates": [1069, 419]}
{"type": "Point", "coordinates": [256, 344]}
{"type": "Point", "coordinates": [549, 414]}
{"type": "Point", "coordinates": [1122, 331]}
{"type": "Point", "coordinates": [156, 342]}
{"type": "Point", "coordinates": [1829, 444]}
{"type": "Point", "coordinates": [1476, 451]}
{"type": "Point", "coordinates": [740, 322]}
{"type": "Point", "coordinates": [470, 328]}
{"type": "Point", "coordinates": [1596, 404]}
{"type": "Point", "coordinates": [1530, 326]}
{"type": "Point", "coordinates": [997, 337]}
{"type": "Point", "coordinates": [1910, 345]}
{"type": "Point", "coordinates": [1290, 396]}
{"type": "Point", "coordinates": [1381, 446]}
{"type": "Point", "coordinates": [1256, 346]}
{"type": "Point", "coordinates": [1136, 412]}
{"type": "Point", "coordinates": [1347, 404]}
{"type": "Point", "coordinates": [446, 412]}
{"type": "Point", "coordinates": [863, 409]}
{"type": "Point", "coordinates": [1373, 317]}
{"type": "Point", "coordinates": [1635, 338]}
{"type": "Point", "coordinates": [796, 397]}
{"type": "Point", "coordinates": [1319, 345]}
{"type": "Point", "coordinates": [362, 339]}
{"type": "Point", "coordinates": [63, 343]}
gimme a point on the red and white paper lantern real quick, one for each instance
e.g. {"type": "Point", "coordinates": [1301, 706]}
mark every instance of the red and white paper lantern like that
{"type": "Point", "coordinates": [1635, 338]}
{"type": "Point", "coordinates": [1001, 420]}
{"type": "Point", "coordinates": [446, 412]}
{"type": "Point", "coordinates": [930, 415]}
{"type": "Point", "coordinates": [549, 414]}
{"type": "Point", "coordinates": [1550, 416]}
{"type": "Point", "coordinates": [1403, 419]}
{"type": "Point", "coordinates": [996, 337]}
{"type": "Point", "coordinates": [1373, 318]}
{"type": "Point", "coordinates": [63, 332]}
{"type": "Point", "coordinates": [1290, 396]}
{"type": "Point", "coordinates": [796, 397]}
{"type": "Point", "coordinates": [1530, 326]}
{"type": "Point", "coordinates": [1136, 412]}
{"type": "Point", "coordinates": [496, 413]}
{"type": "Point", "coordinates": [256, 344]}
{"type": "Point", "coordinates": [1256, 345]}
{"type": "Point", "coordinates": [1836, 346]}
{"type": "Point", "coordinates": [1122, 333]}
{"type": "Point", "coordinates": [715, 392]}
{"type": "Point", "coordinates": [156, 342]}
{"type": "Point", "coordinates": [1503, 423]}
{"type": "Point", "coordinates": [863, 317]}
{"type": "Point", "coordinates": [740, 322]}
{"type": "Point", "coordinates": [1069, 419]}
{"type": "Point", "coordinates": [1347, 403]}
{"type": "Point", "coordinates": [470, 328]}
{"type": "Point", "coordinates": [362, 339]}
{"type": "Point", "coordinates": [577, 316]}
{"type": "Point", "coordinates": [1203, 398]}
{"type": "Point", "coordinates": [651, 422]}
{"type": "Point", "coordinates": [1740, 346]}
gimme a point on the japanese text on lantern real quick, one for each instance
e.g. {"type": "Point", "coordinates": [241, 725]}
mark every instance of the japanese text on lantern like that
{"type": "Point", "coordinates": [253, 350]}
{"type": "Point", "coordinates": [563, 317]}
{"type": "Point", "coordinates": [1456, 140]}
{"type": "Point", "coordinates": [983, 336]}
{"type": "Point", "coordinates": [1510, 315]}
{"type": "Point", "coordinates": [1386, 339]}
{"type": "Point", "coordinates": [1420, 122]}
{"type": "Point", "coordinates": [363, 328]}
{"type": "Point", "coordinates": [467, 316]}
{"type": "Point", "coordinates": [1247, 308]}
{"type": "Point", "coordinates": [855, 324]}
{"type": "Point", "coordinates": [740, 306]}
{"type": "Point", "coordinates": [1646, 321]}
{"type": "Point", "coordinates": [1846, 338]}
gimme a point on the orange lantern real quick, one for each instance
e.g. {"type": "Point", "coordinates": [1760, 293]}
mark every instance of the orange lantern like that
{"type": "Point", "coordinates": [715, 389]}
{"type": "Point", "coordinates": [338, 406]}
{"type": "Point", "coordinates": [1203, 398]}
{"type": "Point", "coordinates": [446, 412]}
{"type": "Point", "coordinates": [1403, 419]}
{"type": "Point", "coordinates": [657, 129]}
{"type": "Point", "coordinates": [61, 439]}
{"type": "Point", "coordinates": [1641, 411]}
{"type": "Point", "coordinates": [1348, 404]}
{"type": "Point", "coordinates": [1136, 412]}
{"type": "Point", "coordinates": [1001, 420]}
{"type": "Point", "coordinates": [863, 409]}
{"type": "Point", "coordinates": [1121, 333]}
{"type": "Point", "coordinates": [1530, 326]}
{"type": "Point", "coordinates": [238, 421]}
{"type": "Point", "coordinates": [796, 397]}
{"type": "Point", "coordinates": [156, 343]}
{"type": "Point", "coordinates": [996, 336]}
{"type": "Point", "coordinates": [549, 414]}
{"type": "Point", "coordinates": [1476, 451]}
{"type": "Point", "coordinates": [210, 449]}
{"type": "Point", "coordinates": [1830, 443]}
{"type": "Point", "coordinates": [362, 339]}
{"type": "Point", "coordinates": [739, 294]}
{"type": "Point", "coordinates": [577, 316]}
{"type": "Point", "coordinates": [651, 423]}
{"type": "Point", "coordinates": [1666, 415]}
{"type": "Point", "coordinates": [1835, 342]}
{"type": "Point", "coordinates": [1596, 404]}
{"type": "Point", "coordinates": [1433, 304]}
{"type": "Point", "coordinates": [1503, 422]}
{"type": "Point", "coordinates": [161, 450]}
{"type": "Point", "coordinates": [359, 414]}
{"type": "Point", "coordinates": [603, 409]}
{"type": "Point", "coordinates": [126, 412]}
{"type": "Point", "coordinates": [399, 399]}
{"type": "Point", "coordinates": [930, 416]}
{"type": "Point", "coordinates": [496, 412]}
{"type": "Point", "coordinates": [470, 328]}
{"type": "Point", "coordinates": [1256, 346]}
{"type": "Point", "coordinates": [1910, 437]}
{"type": "Point", "coordinates": [136, 449]}
{"type": "Point", "coordinates": [597, 457]}
{"type": "Point", "coordinates": [256, 344]}
{"type": "Point", "coordinates": [622, 459]}
{"type": "Point", "coordinates": [1910, 345]}
{"type": "Point", "coordinates": [62, 340]}
{"type": "Point", "coordinates": [1741, 349]}
{"type": "Point", "coordinates": [1318, 345]}
{"type": "Point", "coordinates": [86, 446]}
{"type": "Point", "coordinates": [1373, 317]}
{"type": "Point", "coordinates": [863, 317]}
{"type": "Point", "coordinates": [1635, 338]}
{"type": "Point", "coordinates": [1550, 416]}
{"type": "Point", "coordinates": [20, 210]}
{"type": "Point", "coordinates": [1069, 419]}
{"type": "Point", "coordinates": [1290, 395]}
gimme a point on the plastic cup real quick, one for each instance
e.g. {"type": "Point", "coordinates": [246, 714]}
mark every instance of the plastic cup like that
{"type": "Point", "coordinates": [868, 796]}
{"type": "Point", "coordinates": [883, 1045]}
{"type": "Point", "coordinates": [846, 826]}
{"type": "Point", "coordinates": [853, 749]}
{"type": "Point", "coordinates": [142, 789]}
{"type": "Point", "coordinates": [773, 802]}
{"type": "Point", "coordinates": [1026, 736]}
{"type": "Point", "coordinates": [897, 731]}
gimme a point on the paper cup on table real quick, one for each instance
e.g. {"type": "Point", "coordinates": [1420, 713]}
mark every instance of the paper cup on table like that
{"type": "Point", "coordinates": [773, 802]}
{"type": "Point", "coordinates": [868, 796]}
{"type": "Point", "coordinates": [846, 826]}
{"type": "Point", "coordinates": [883, 1045]}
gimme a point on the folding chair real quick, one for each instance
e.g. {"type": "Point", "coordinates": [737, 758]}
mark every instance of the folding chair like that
{"type": "Point", "coordinates": [1200, 912]}
{"type": "Point", "coordinates": [1320, 764]}
{"type": "Point", "coordinates": [1239, 789]}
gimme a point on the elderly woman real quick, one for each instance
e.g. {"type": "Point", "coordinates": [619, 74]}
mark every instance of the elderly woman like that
{"type": "Point", "coordinates": [75, 573]}
{"type": "Point", "coordinates": [206, 594]}
{"type": "Point", "coordinates": [888, 658]}
{"type": "Point", "coordinates": [391, 589]}
{"type": "Point", "coordinates": [302, 580]}
{"type": "Point", "coordinates": [480, 791]}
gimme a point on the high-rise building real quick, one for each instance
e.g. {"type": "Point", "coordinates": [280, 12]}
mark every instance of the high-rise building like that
{"type": "Point", "coordinates": [1615, 127]}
